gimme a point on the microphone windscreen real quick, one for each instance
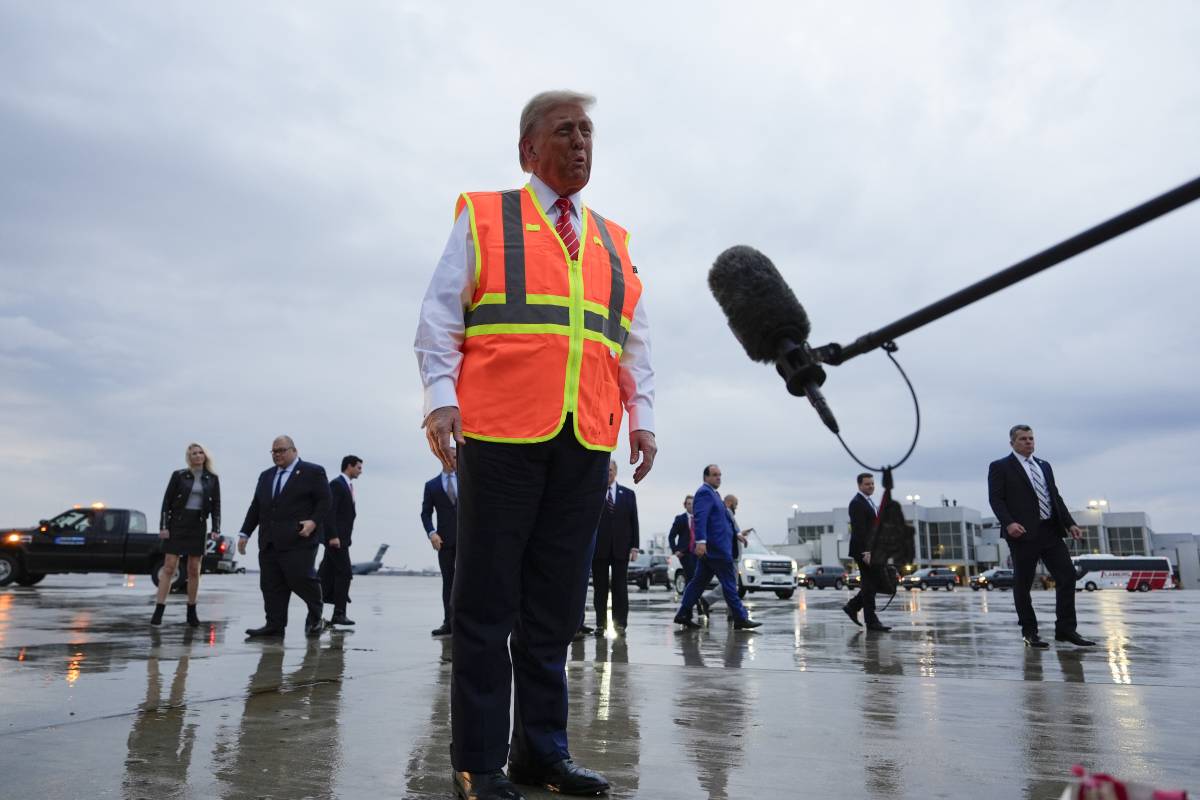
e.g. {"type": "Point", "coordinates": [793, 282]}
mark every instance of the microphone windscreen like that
{"type": "Point", "coordinates": [760, 306]}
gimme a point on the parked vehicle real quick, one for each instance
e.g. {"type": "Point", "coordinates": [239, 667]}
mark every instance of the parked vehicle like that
{"type": "Point", "coordinates": [96, 539]}
{"type": "Point", "coordinates": [854, 580]}
{"type": "Point", "coordinates": [759, 569]}
{"type": "Point", "coordinates": [1131, 573]}
{"type": "Point", "coordinates": [931, 578]}
{"type": "Point", "coordinates": [648, 570]}
{"type": "Point", "coordinates": [820, 576]}
{"type": "Point", "coordinates": [995, 578]}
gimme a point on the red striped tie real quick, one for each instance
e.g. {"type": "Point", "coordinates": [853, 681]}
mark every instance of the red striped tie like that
{"type": "Point", "coordinates": [563, 227]}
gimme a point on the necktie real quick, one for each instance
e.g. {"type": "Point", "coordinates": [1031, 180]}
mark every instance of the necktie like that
{"type": "Point", "coordinates": [874, 507]}
{"type": "Point", "coordinates": [278, 483]}
{"type": "Point", "coordinates": [612, 503]}
{"type": "Point", "coordinates": [1039, 486]}
{"type": "Point", "coordinates": [563, 227]}
{"type": "Point", "coordinates": [451, 491]}
{"type": "Point", "coordinates": [350, 484]}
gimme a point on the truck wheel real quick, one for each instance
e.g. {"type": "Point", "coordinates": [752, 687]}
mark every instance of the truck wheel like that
{"type": "Point", "coordinates": [178, 583]}
{"type": "Point", "coordinates": [680, 581]}
{"type": "Point", "coordinates": [30, 578]}
{"type": "Point", "coordinates": [838, 584]}
{"type": "Point", "coordinates": [10, 568]}
{"type": "Point", "coordinates": [1143, 587]}
{"type": "Point", "coordinates": [784, 594]}
{"type": "Point", "coordinates": [1090, 586]}
{"type": "Point", "coordinates": [949, 587]}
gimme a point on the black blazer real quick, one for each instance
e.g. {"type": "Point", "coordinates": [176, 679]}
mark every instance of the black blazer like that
{"type": "Point", "coordinates": [862, 524]}
{"type": "Point", "coordinates": [680, 536]}
{"type": "Point", "coordinates": [437, 500]}
{"type": "Point", "coordinates": [617, 532]}
{"type": "Point", "coordinates": [1013, 499]}
{"type": "Point", "coordinates": [304, 496]}
{"type": "Point", "coordinates": [179, 488]}
{"type": "Point", "coordinates": [340, 522]}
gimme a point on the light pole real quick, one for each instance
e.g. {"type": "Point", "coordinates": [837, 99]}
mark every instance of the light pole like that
{"type": "Point", "coordinates": [913, 498]}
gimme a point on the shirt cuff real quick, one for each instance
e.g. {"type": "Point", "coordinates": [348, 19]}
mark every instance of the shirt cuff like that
{"type": "Point", "coordinates": [243, 536]}
{"type": "Point", "coordinates": [440, 393]}
{"type": "Point", "coordinates": [641, 417]}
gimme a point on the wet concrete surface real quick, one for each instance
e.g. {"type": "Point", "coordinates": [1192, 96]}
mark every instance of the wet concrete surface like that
{"type": "Point", "coordinates": [97, 704]}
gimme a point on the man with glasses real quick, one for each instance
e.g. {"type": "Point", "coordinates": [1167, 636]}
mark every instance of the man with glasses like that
{"type": "Point", "coordinates": [289, 500]}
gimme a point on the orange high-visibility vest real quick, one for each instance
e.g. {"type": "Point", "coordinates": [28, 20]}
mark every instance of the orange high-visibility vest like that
{"type": "Point", "coordinates": [544, 334]}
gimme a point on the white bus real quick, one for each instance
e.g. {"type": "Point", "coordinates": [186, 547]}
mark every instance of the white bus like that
{"type": "Point", "coordinates": [1131, 573]}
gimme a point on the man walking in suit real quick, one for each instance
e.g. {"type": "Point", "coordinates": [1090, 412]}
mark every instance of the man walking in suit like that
{"type": "Point", "coordinates": [336, 572]}
{"type": "Point", "coordinates": [863, 514]}
{"type": "Point", "coordinates": [714, 550]}
{"type": "Point", "coordinates": [682, 539]}
{"type": "Point", "coordinates": [1034, 519]}
{"type": "Point", "coordinates": [617, 544]}
{"type": "Point", "coordinates": [290, 501]}
{"type": "Point", "coordinates": [532, 344]}
{"type": "Point", "coordinates": [441, 498]}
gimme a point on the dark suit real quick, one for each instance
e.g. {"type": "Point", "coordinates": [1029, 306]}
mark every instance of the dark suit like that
{"type": "Point", "coordinates": [1013, 499]}
{"type": "Point", "coordinates": [862, 526]}
{"type": "Point", "coordinates": [437, 501]}
{"type": "Point", "coordinates": [715, 529]}
{"type": "Point", "coordinates": [336, 572]}
{"type": "Point", "coordinates": [616, 535]}
{"type": "Point", "coordinates": [679, 540]}
{"type": "Point", "coordinates": [286, 560]}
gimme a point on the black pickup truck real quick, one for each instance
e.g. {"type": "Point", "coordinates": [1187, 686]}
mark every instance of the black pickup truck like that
{"type": "Point", "coordinates": [95, 539]}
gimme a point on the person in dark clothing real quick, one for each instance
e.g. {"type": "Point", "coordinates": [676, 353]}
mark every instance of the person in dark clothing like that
{"type": "Point", "coordinates": [441, 498]}
{"type": "Point", "coordinates": [682, 539]}
{"type": "Point", "coordinates": [335, 571]}
{"type": "Point", "coordinates": [290, 503]}
{"type": "Point", "coordinates": [617, 543]}
{"type": "Point", "coordinates": [863, 515]}
{"type": "Point", "coordinates": [193, 495]}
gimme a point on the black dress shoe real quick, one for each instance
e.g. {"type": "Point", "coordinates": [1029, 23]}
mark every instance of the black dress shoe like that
{"type": "Point", "coordinates": [444, 630]}
{"type": "Point", "coordinates": [565, 777]}
{"type": "Point", "coordinates": [1033, 640]}
{"type": "Point", "coordinates": [853, 615]}
{"type": "Point", "coordinates": [745, 624]}
{"type": "Point", "coordinates": [585, 630]}
{"type": "Point", "coordinates": [1074, 638]}
{"type": "Point", "coordinates": [493, 785]}
{"type": "Point", "coordinates": [686, 622]}
{"type": "Point", "coordinates": [314, 627]}
{"type": "Point", "coordinates": [264, 632]}
{"type": "Point", "coordinates": [340, 619]}
{"type": "Point", "coordinates": [878, 626]}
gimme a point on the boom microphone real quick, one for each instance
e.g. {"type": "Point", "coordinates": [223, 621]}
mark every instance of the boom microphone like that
{"type": "Point", "coordinates": [769, 321]}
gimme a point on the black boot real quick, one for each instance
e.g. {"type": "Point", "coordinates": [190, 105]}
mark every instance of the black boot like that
{"type": "Point", "coordinates": [192, 619]}
{"type": "Point", "coordinates": [159, 608]}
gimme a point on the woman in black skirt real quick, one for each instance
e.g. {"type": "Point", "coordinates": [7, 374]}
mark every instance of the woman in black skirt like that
{"type": "Point", "coordinates": [193, 494]}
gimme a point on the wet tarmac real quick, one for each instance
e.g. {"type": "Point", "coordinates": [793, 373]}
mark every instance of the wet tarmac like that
{"type": "Point", "coordinates": [96, 704]}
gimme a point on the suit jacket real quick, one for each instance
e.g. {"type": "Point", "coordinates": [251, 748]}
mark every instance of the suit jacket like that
{"type": "Point", "coordinates": [617, 532]}
{"type": "Point", "coordinates": [712, 523]}
{"type": "Point", "coordinates": [342, 512]}
{"type": "Point", "coordinates": [437, 500]}
{"type": "Point", "coordinates": [304, 496]}
{"type": "Point", "coordinates": [1013, 499]}
{"type": "Point", "coordinates": [179, 488]}
{"type": "Point", "coordinates": [862, 524]}
{"type": "Point", "coordinates": [679, 540]}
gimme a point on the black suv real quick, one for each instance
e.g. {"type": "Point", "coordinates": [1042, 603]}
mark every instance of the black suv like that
{"type": "Point", "coordinates": [995, 578]}
{"type": "Point", "coordinates": [648, 570]}
{"type": "Point", "coordinates": [931, 578]}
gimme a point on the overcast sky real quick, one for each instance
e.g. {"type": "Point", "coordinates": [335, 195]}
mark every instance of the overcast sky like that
{"type": "Point", "coordinates": [217, 221]}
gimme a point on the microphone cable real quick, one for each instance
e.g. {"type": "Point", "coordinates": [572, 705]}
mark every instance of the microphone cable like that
{"type": "Point", "coordinates": [890, 347]}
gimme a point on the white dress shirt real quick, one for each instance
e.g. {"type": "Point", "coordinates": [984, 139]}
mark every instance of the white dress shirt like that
{"type": "Point", "coordinates": [441, 328]}
{"type": "Point", "coordinates": [1029, 465]}
{"type": "Point", "coordinates": [874, 507]}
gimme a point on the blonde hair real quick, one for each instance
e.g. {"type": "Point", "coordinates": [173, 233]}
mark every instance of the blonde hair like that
{"type": "Point", "coordinates": [539, 105]}
{"type": "Point", "coordinates": [208, 462]}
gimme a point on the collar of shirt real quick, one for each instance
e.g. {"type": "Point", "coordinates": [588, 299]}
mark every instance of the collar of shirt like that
{"type": "Point", "coordinates": [287, 471]}
{"type": "Point", "coordinates": [1024, 459]}
{"type": "Point", "coordinates": [446, 478]}
{"type": "Point", "coordinates": [546, 198]}
{"type": "Point", "coordinates": [867, 498]}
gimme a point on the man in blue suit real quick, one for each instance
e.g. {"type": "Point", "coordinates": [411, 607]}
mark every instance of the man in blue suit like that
{"type": "Point", "coordinates": [714, 552]}
{"type": "Point", "coordinates": [1034, 520]}
{"type": "Point", "coordinates": [441, 497]}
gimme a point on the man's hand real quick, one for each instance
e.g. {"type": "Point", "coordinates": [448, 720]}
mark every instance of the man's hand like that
{"type": "Point", "coordinates": [680, 554]}
{"type": "Point", "coordinates": [641, 442]}
{"type": "Point", "coordinates": [335, 543]}
{"type": "Point", "coordinates": [743, 538]}
{"type": "Point", "coordinates": [1016, 530]}
{"type": "Point", "coordinates": [441, 426]}
{"type": "Point", "coordinates": [866, 557]}
{"type": "Point", "coordinates": [164, 534]}
{"type": "Point", "coordinates": [241, 545]}
{"type": "Point", "coordinates": [701, 549]}
{"type": "Point", "coordinates": [436, 541]}
{"type": "Point", "coordinates": [633, 553]}
{"type": "Point", "coordinates": [307, 526]}
{"type": "Point", "coordinates": [1076, 532]}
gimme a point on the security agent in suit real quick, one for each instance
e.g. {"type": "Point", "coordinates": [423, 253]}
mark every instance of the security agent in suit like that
{"type": "Point", "coordinates": [336, 571]}
{"type": "Point", "coordinates": [682, 539]}
{"type": "Point", "coordinates": [617, 543]}
{"type": "Point", "coordinates": [290, 502]}
{"type": "Point", "coordinates": [714, 549]}
{"type": "Point", "coordinates": [441, 498]}
{"type": "Point", "coordinates": [1034, 519]}
{"type": "Point", "coordinates": [863, 515]}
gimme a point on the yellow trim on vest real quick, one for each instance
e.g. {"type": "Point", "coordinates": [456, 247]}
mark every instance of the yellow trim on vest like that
{"type": "Point", "coordinates": [499, 299]}
{"type": "Point", "coordinates": [487, 330]}
{"type": "Point", "coordinates": [474, 235]}
{"type": "Point", "coordinates": [532, 226]}
{"type": "Point", "coordinates": [604, 340]}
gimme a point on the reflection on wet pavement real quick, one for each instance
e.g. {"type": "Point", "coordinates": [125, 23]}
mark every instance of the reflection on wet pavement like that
{"type": "Point", "coordinates": [97, 704]}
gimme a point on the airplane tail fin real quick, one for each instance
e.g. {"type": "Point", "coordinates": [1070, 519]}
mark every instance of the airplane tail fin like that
{"type": "Point", "coordinates": [383, 548]}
